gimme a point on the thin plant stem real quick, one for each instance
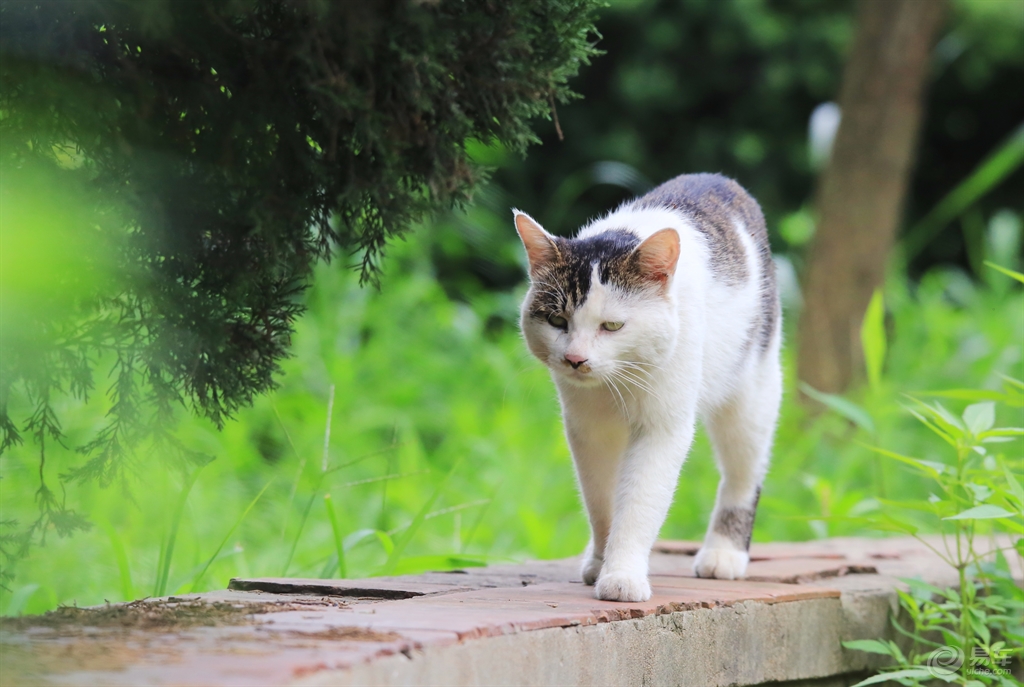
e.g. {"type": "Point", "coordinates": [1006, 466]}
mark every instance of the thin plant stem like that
{"type": "Point", "coordinates": [164, 564]}
{"type": "Point", "coordinates": [339, 544]}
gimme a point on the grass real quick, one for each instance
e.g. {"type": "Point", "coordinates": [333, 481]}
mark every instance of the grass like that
{"type": "Point", "coordinates": [443, 447]}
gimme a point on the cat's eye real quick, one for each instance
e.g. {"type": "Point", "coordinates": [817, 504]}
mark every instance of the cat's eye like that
{"type": "Point", "coordinates": [558, 321]}
{"type": "Point", "coordinates": [611, 326]}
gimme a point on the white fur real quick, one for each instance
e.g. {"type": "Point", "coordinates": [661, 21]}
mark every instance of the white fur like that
{"type": "Point", "coordinates": [680, 355]}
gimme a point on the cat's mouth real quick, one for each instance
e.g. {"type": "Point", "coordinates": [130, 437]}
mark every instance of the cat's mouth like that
{"type": "Point", "coordinates": [582, 368]}
{"type": "Point", "coordinates": [581, 376]}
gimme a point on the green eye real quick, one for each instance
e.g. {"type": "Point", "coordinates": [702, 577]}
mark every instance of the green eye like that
{"type": "Point", "coordinates": [558, 321]}
{"type": "Point", "coordinates": [611, 326]}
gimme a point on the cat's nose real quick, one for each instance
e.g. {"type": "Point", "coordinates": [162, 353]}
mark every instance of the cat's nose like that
{"type": "Point", "coordinates": [575, 360]}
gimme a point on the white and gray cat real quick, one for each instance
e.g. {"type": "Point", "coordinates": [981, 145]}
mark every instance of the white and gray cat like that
{"type": "Point", "coordinates": [663, 311]}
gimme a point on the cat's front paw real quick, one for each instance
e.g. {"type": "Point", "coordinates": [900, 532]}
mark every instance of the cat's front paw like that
{"type": "Point", "coordinates": [591, 569]}
{"type": "Point", "coordinates": [723, 564]}
{"type": "Point", "coordinates": [623, 587]}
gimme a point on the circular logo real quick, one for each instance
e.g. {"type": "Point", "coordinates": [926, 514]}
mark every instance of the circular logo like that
{"type": "Point", "coordinates": [945, 661]}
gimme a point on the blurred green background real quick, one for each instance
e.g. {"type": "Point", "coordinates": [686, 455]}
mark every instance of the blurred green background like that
{"type": "Point", "coordinates": [445, 446]}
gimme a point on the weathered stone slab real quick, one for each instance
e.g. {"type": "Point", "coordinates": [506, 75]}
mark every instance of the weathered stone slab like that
{"type": "Point", "coordinates": [532, 624]}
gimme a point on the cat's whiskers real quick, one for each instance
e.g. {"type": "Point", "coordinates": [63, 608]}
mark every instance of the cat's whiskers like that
{"type": "Point", "coordinates": [622, 404]}
{"type": "Point", "coordinates": [632, 378]}
{"type": "Point", "coordinates": [637, 368]}
{"type": "Point", "coordinates": [639, 365]}
{"type": "Point", "coordinates": [628, 390]}
{"type": "Point", "coordinates": [644, 384]}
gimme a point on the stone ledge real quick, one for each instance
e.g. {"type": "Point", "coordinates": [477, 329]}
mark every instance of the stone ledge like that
{"type": "Point", "coordinates": [533, 624]}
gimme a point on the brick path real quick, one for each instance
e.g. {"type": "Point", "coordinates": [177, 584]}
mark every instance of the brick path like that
{"type": "Point", "coordinates": [399, 630]}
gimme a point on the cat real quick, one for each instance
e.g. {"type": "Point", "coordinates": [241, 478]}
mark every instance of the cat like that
{"type": "Point", "coordinates": [662, 311]}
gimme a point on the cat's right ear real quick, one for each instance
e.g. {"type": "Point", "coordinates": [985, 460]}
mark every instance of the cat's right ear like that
{"type": "Point", "coordinates": [540, 245]}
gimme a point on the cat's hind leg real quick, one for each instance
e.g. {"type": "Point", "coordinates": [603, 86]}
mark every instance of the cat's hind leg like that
{"type": "Point", "coordinates": [741, 432]}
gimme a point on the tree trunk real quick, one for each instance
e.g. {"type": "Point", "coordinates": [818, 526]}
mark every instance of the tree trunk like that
{"type": "Point", "coordinates": [860, 195]}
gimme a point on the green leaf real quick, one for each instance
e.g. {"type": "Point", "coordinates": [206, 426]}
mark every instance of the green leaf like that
{"type": "Point", "coordinates": [1009, 273]}
{"type": "Point", "coordinates": [979, 491]}
{"type": "Point", "coordinates": [844, 407]}
{"type": "Point", "coordinates": [167, 548]}
{"type": "Point", "coordinates": [930, 468]}
{"type": "Point", "coordinates": [872, 646]}
{"type": "Point", "coordinates": [943, 415]}
{"type": "Point", "coordinates": [1003, 432]}
{"type": "Point", "coordinates": [1002, 162]}
{"type": "Point", "coordinates": [437, 563]}
{"type": "Point", "coordinates": [941, 433]}
{"type": "Point", "coordinates": [872, 339]}
{"type": "Point", "coordinates": [914, 673]}
{"type": "Point", "coordinates": [358, 537]}
{"type": "Point", "coordinates": [887, 523]}
{"type": "Point", "coordinates": [918, 505]}
{"type": "Point", "coordinates": [339, 545]}
{"type": "Point", "coordinates": [984, 512]}
{"type": "Point", "coordinates": [980, 416]}
{"type": "Point", "coordinates": [1011, 382]}
{"type": "Point", "coordinates": [1015, 487]}
{"type": "Point", "coordinates": [199, 578]}
{"type": "Point", "coordinates": [407, 535]}
{"type": "Point", "coordinates": [1014, 391]}
{"type": "Point", "coordinates": [965, 394]}
{"type": "Point", "coordinates": [385, 541]}
{"type": "Point", "coordinates": [921, 589]}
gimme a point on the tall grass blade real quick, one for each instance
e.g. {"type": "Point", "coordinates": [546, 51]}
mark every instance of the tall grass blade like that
{"type": "Point", "coordinates": [872, 339]}
{"type": "Point", "coordinates": [167, 551]}
{"type": "Point", "coordinates": [199, 578]}
{"type": "Point", "coordinates": [479, 519]}
{"type": "Point", "coordinates": [298, 534]}
{"type": "Point", "coordinates": [1013, 274]}
{"type": "Point", "coordinates": [417, 522]}
{"type": "Point", "coordinates": [338, 540]}
{"type": "Point", "coordinates": [998, 166]}
{"type": "Point", "coordinates": [298, 474]}
{"type": "Point", "coordinates": [327, 430]}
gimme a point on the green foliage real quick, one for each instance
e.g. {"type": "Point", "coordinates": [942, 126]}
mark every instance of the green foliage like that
{"type": "Point", "coordinates": [172, 171]}
{"type": "Point", "coordinates": [423, 381]}
{"type": "Point", "coordinates": [991, 172]}
{"type": "Point", "coordinates": [872, 339]}
{"type": "Point", "coordinates": [238, 144]}
{"type": "Point", "coordinates": [431, 370]}
{"type": "Point", "coordinates": [968, 634]}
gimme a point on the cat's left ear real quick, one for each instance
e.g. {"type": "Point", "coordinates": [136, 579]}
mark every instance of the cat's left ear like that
{"type": "Point", "coordinates": [540, 245]}
{"type": "Point", "coordinates": [659, 254]}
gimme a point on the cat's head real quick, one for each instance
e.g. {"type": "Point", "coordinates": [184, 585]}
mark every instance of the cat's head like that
{"type": "Point", "coordinates": [599, 309]}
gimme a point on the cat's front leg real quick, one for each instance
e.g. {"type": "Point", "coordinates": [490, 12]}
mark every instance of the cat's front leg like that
{"type": "Point", "coordinates": [592, 561]}
{"type": "Point", "coordinates": [646, 483]}
{"type": "Point", "coordinates": [597, 433]}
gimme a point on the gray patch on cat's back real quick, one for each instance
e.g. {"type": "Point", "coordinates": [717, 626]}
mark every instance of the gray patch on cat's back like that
{"type": "Point", "coordinates": [714, 204]}
{"type": "Point", "coordinates": [737, 524]}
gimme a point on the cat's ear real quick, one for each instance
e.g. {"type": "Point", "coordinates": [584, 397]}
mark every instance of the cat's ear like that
{"type": "Point", "coordinates": [540, 245]}
{"type": "Point", "coordinates": [659, 254]}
